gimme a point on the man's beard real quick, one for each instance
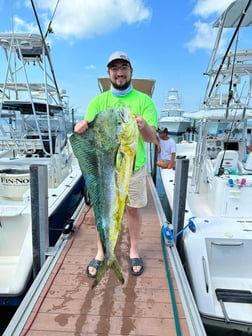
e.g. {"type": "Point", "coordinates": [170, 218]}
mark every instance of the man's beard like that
{"type": "Point", "coordinates": [121, 87]}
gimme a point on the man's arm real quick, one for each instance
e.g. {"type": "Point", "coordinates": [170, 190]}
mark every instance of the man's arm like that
{"type": "Point", "coordinates": [148, 132]}
{"type": "Point", "coordinates": [171, 164]}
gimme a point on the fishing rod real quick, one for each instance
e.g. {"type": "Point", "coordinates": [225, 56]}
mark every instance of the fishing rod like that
{"type": "Point", "coordinates": [46, 49]}
{"type": "Point", "coordinates": [230, 91]}
{"type": "Point", "coordinates": [230, 96]}
{"type": "Point", "coordinates": [221, 168]}
{"type": "Point", "coordinates": [49, 29]}
{"type": "Point", "coordinates": [229, 46]}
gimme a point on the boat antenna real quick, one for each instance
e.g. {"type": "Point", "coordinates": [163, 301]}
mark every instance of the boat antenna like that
{"type": "Point", "coordinates": [229, 46]}
{"type": "Point", "coordinates": [46, 49]}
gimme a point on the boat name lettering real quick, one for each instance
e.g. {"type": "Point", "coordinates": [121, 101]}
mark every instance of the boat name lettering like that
{"type": "Point", "coordinates": [15, 180]}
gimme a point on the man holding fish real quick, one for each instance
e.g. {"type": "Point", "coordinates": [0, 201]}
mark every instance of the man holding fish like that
{"type": "Point", "coordinates": [124, 98]}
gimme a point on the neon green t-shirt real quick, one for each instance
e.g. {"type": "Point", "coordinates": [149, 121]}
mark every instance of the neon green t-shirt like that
{"type": "Point", "coordinates": [138, 103]}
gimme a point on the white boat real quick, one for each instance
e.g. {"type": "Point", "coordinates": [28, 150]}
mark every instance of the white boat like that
{"type": "Point", "coordinates": [172, 115]}
{"type": "Point", "coordinates": [34, 125]}
{"type": "Point", "coordinates": [216, 241]}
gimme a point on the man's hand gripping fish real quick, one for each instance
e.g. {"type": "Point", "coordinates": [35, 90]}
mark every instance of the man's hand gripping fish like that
{"type": "Point", "coordinates": [106, 153]}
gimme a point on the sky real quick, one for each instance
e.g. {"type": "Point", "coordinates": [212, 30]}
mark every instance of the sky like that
{"type": "Point", "coordinates": [167, 41]}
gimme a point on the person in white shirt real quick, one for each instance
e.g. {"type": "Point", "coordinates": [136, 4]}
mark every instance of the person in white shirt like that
{"type": "Point", "coordinates": [166, 149]}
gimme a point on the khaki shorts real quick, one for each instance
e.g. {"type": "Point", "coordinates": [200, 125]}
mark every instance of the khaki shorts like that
{"type": "Point", "coordinates": [137, 194]}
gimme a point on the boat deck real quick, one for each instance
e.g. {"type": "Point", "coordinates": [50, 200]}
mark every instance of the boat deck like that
{"type": "Point", "coordinates": [142, 306]}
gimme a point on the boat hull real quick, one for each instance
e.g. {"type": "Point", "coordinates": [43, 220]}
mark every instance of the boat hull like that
{"type": "Point", "coordinates": [212, 322]}
{"type": "Point", "coordinates": [217, 255]}
{"type": "Point", "coordinates": [217, 263]}
{"type": "Point", "coordinates": [65, 210]}
{"type": "Point", "coordinates": [17, 264]}
{"type": "Point", "coordinates": [175, 127]}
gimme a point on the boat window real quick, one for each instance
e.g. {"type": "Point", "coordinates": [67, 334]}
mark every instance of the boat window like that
{"type": "Point", "coordinates": [231, 146]}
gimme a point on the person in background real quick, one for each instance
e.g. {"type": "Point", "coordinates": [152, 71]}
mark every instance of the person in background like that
{"type": "Point", "coordinates": [166, 149]}
{"type": "Point", "coordinates": [248, 150]}
{"type": "Point", "coordinates": [122, 93]}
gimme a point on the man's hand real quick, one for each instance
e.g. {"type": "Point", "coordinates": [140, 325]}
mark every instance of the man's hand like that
{"type": "Point", "coordinates": [141, 123]}
{"type": "Point", "coordinates": [171, 165]}
{"type": "Point", "coordinates": [81, 126]}
{"type": "Point", "coordinates": [148, 132]}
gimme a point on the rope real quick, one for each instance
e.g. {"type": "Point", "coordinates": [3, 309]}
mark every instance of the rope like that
{"type": "Point", "coordinates": [168, 273]}
{"type": "Point", "coordinates": [167, 232]}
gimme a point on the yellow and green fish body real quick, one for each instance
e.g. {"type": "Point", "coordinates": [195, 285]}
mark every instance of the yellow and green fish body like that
{"type": "Point", "coordinates": [106, 154]}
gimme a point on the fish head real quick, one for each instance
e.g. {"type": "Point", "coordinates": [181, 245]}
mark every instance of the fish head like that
{"type": "Point", "coordinates": [115, 127]}
{"type": "Point", "coordinates": [127, 131]}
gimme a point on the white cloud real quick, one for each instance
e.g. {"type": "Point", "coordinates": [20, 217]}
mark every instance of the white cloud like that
{"type": "Point", "coordinates": [23, 26]}
{"type": "Point", "coordinates": [90, 67]}
{"type": "Point", "coordinates": [207, 12]}
{"type": "Point", "coordinates": [84, 19]}
{"type": "Point", "coordinates": [205, 8]}
{"type": "Point", "coordinates": [204, 37]}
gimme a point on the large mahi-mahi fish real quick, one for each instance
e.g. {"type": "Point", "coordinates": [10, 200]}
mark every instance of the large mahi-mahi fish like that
{"type": "Point", "coordinates": [106, 153]}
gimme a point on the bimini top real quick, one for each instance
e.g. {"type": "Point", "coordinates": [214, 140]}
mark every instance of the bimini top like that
{"type": "Point", "coordinates": [234, 114]}
{"type": "Point", "coordinates": [144, 85]}
{"type": "Point", "coordinates": [232, 15]}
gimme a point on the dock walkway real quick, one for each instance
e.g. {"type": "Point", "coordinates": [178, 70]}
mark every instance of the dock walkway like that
{"type": "Point", "coordinates": [143, 305]}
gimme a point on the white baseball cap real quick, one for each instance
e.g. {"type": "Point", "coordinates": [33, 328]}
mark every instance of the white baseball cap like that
{"type": "Point", "coordinates": [118, 55]}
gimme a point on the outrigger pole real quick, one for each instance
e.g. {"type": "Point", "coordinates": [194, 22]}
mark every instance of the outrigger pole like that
{"type": "Point", "coordinates": [47, 50]}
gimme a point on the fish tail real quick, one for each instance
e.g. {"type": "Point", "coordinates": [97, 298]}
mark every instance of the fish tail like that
{"type": "Point", "coordinates": [117, 270]}
{"type": "Point", "coordinates": [105, 266]}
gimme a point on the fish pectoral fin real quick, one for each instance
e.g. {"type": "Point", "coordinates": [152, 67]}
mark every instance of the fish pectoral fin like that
{"type": "Point", "coordinates": [119, 159]}
{"type": "Point", "coordinates": [126, 200]}
{"type": "Point", "coordinates": [105, 266]}
{"type": "Point", "coordinates": [134, 162]}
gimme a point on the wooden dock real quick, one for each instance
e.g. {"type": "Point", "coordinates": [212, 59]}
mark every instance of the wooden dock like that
{"type": "Point", "coordinates": [142, 306]}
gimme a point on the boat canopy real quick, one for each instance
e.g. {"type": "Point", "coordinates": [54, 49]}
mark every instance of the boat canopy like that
{"type": "Point", "coordinates": [235, 114]}
{"type": "Point", "coordinates": [232, 15]}
{"type": "Point", "coordinates": [144, 85]}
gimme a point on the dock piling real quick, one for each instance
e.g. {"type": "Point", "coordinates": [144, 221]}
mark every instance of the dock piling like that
{"type": "Point", "coordinates": [178, 212]}
{"type": "Point", "coordinates": [39, 211]}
